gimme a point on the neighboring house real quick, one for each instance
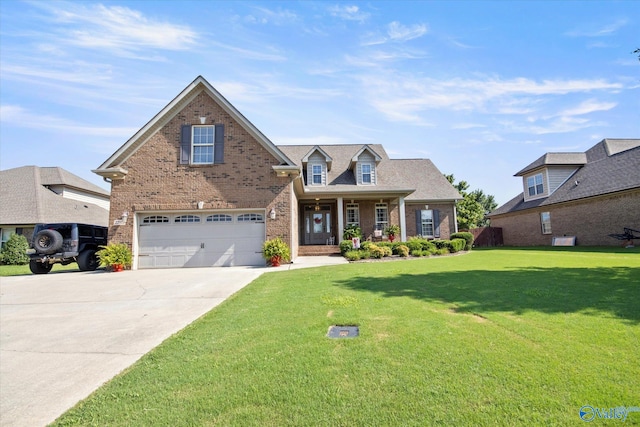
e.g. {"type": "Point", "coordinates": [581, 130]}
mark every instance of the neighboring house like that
{"type": "Point", "coordinates": [32, 194]}
{"type": "Point", "coordinates": [586, 195]}
{"type": "Point", "coordinates": [200, 185]}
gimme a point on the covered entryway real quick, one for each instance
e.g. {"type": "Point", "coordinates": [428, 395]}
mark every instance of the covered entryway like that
{"type": "Point", "coordinates": [200, 240]}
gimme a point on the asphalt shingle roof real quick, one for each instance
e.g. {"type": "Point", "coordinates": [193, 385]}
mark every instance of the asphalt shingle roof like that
{"type": "Point", "coordinates": [25, 199]}
{"type": "Point", "coordinates": [611, 166]}
{"type": "Point", "coordinates": [420, 177]}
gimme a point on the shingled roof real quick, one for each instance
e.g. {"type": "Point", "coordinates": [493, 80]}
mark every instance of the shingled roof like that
{"type": "Point", "coordinates": [26, 198]}
{"type": "Point", "coordinates": [611, 166]}
{"type": "Point", "coordinates": [415, 179]}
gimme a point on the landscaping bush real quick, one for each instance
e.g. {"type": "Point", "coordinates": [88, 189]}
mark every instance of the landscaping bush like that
{"type": "Point", "coordinates": [376, 251]}
{"type": "Point", "coordinates": [402, 250]}
{"type": "Point", "coordinates": [442, 251]}
{"type": "Point", "coordinates": [366, 245]}
{"type": "Point", "coordinates": [415, 243]}
{"type": "Point", "coordinates": [457, 245]}
{"type": "Point", "coordinates": [387, 250]}
{"type": "Point", "coordinates": [468, 237]}
{"type": "Point", "coordinates": [14, 251]}
{"type": "Point", "coordinates": [345, 246]}
{"type": "Point", "coordinates": [351, 231]}
{"type": "Point", "coordinates": [353, 255]}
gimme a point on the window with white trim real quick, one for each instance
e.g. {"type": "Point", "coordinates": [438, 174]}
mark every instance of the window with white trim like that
{"type": "Point", "coordinates": [154, 219]}
{"type": "Point", "coordinates": [202, 144]}
{"type": "Point", "coordinates": [382, 216]}
{"type": "Point", "coordinates": [534, 185]}
{"type": "Point", "coordinates": [187, 218]}
{"type": "Point", "coordinates": [366, 173]}
{"type": "Point", "coordinates": [316, 174]}
{"type": "Point", "coordinates": [426, 223]}
{"type": "Point", "coordinates": [353, 214]}
{"type": "Point", "coordinates": [219, 218]}
{"type": "Point", "coordinates": [545, 222]}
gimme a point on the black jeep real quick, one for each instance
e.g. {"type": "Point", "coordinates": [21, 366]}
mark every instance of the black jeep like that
{"type": "Point", "coordinates": [65, 243]}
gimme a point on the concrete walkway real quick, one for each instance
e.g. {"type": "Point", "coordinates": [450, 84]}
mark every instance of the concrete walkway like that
{"type": "Point", "coordinates": [63, 335]}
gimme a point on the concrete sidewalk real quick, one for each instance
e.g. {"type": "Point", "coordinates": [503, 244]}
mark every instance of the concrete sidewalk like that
{"type": "Point", "coordinates": [63, 335]}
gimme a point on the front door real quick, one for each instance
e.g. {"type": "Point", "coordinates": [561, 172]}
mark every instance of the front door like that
{"type": "Point", "coordinates": [317, 225]}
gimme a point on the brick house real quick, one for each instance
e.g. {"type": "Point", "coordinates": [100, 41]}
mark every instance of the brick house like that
{"type": "Point", "coordinates": [586, 195]}
{"type": "Point", "coordinates": [30, 195]}
{"type": "Point", "coordinates": [200, 185]}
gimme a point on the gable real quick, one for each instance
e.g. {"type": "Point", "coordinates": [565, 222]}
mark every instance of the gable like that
{"type": "Point", "coordinates": [113, 168]}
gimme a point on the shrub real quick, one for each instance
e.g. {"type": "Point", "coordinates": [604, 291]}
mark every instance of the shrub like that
{"type": "Point", "coordinates": [440, 244]}
{"type": "Point", "coordinates": [353, 255]}
{"type": "Point", "coordinates": [419, 253]}
{"type": "Point", "coordinates": [386, 250]}
{"type": "Point", "coordinates": [345, 245]}
{"type": "Point", "coordinates": [402, 250]}
{"type": "Point", "coordinates": [366, 245]}
{"type": "Point", "coordinates": [442, 251]}
{"type": "Point", "coordinates": [14, 251]}
{"type": "Point", "coordinates": [415, 243]}
{"type": "Point", "coordinates": [457, 245]}
{"type": "Point", "coordinates": [376, 251]}
{"type": "Point", "coordinates": [468, 237]}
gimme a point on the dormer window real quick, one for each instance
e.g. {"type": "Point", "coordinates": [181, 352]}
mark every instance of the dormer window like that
{"type": "Point", "coordinates": [534, 185]}
{"type": "Point", "coordinates": [366, 173]}
{"type": "Point", "coordinates": [316, 174]}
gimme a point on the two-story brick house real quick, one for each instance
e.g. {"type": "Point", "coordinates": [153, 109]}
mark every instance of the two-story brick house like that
{"type": "Point", "coordinates": [588, 195]}
{"type": "Point", "coordinates": [200, 185]}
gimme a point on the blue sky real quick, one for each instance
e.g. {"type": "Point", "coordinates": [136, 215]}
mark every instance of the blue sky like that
{"type": "Point", "coordinates": [480, 88]}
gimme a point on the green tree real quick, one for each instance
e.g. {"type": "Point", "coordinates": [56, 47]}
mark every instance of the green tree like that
{"type": "Point", "coordinates": [14, 251]}
{"type": "Point", "coordinates": [474, 206]}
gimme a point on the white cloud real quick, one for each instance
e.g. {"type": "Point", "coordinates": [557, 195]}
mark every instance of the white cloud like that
{"type": "Point", "coordinates": [348, 12]}
{"type": "Point", "coordinates": [587, 107]}
{"type": "Point", "coordinates": [311, 140]}
{"type": "Point", "coordinates": [118, 29]}
{"type": "Point", "coordinates": [15, 115]}
{"type": "Point", "coordinates": [264, 15]}
{"type": "Point", "coordinates": [399, 32]}
{"type": "Point", "coordinates": [601, 31]}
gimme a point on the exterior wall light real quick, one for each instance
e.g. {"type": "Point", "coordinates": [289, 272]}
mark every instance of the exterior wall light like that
{"type": "Point", "coordinates": [272, 214]}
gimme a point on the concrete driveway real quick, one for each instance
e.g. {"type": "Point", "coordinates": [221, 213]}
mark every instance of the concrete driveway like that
{"type": "Point", "coordinates": [63, 335]}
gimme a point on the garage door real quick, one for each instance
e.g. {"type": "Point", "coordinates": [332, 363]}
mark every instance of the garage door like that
{"type": "Point", "coordinates": [203, 240]}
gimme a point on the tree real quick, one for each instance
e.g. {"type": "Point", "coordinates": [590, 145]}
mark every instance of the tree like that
{"type": "Point", "coordinates": [14, 251]}
{"type": "Point", "coordinates": [474, 206]}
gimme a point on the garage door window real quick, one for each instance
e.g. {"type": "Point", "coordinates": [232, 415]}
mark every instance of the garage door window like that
{"type": "Point", "coordinates": [219, 218]}
{"type": "Point", "coordinates": [154, 219]}
{"type": "Point", "coordinates": [187, 218]}
{"type": "Point", "coordinates": [250, 218]}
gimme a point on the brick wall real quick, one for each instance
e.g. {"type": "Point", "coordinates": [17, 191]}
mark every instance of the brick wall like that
{"type": "Point", "coordinates": [156, 181]}
{"type": "Point", "coordinates": [590, 220]}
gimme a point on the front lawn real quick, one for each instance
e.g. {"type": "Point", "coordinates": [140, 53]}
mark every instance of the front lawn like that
{"type": "Point", "coordinates": [23, 270]}
{"type": "Point", "coordinates": [493, 337]}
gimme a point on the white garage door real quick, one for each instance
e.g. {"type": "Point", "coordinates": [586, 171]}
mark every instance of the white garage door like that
{"type": "Point", "coordinates": [202, 240]}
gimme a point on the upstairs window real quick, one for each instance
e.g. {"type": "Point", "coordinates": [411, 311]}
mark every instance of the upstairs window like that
{"type": "Point", "coordinates": [316, 174]}
{"type": "Point", "coordinates": [534, 185]}
{"type": "Point", "coordinates": [366, 173]}
{"type": "Point", "coordinates": [202, 145]}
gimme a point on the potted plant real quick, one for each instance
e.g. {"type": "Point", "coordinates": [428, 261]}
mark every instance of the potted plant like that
{"type": "Point", "coordinates": [351, 231]}
{"type": "Point", "coordinates": [392, 231]}
{"type": "Point", "coordinates": [115, 256]}
{"type": "Point", "coordinates": [276, 251]}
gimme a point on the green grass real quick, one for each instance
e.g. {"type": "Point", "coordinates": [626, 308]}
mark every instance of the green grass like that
{"type": "Point", "coordinates": [494, 337]}
{"type": "Point", "coordinates": [23, 270]}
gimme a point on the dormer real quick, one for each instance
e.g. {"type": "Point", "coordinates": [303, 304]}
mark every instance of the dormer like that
{"type": "Point", "coordinates": [364, 164]}
{"type": "Point", "coordinates": [316, 163]}
{"type": "Point", "coordinates": [542, 177]}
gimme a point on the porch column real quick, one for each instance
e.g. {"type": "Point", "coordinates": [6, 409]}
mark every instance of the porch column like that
{"type": "Point", "coordinates": [340, 221]}
{"type": "Point", "coordinates": [403, 220]}
{"type": "Point", "coordinates": [455, 217]}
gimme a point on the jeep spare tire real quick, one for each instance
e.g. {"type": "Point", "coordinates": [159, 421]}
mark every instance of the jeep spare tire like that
{"type": "Point", "coordinates": [47, 242]}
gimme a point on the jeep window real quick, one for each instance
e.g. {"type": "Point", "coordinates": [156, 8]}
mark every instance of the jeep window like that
{"type": "Point", "coordinates": [100, 232]}
{"type": "Point", "coordinates": [84, 231]}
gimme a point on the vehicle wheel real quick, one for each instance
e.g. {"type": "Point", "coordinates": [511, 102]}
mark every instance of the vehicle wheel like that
{"type": "Point", "coordinates": [87, 260]}
{"type": "Point", "coordinates": [39, 267]}
{"type": "Point", "coordinates": [47, 241]}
